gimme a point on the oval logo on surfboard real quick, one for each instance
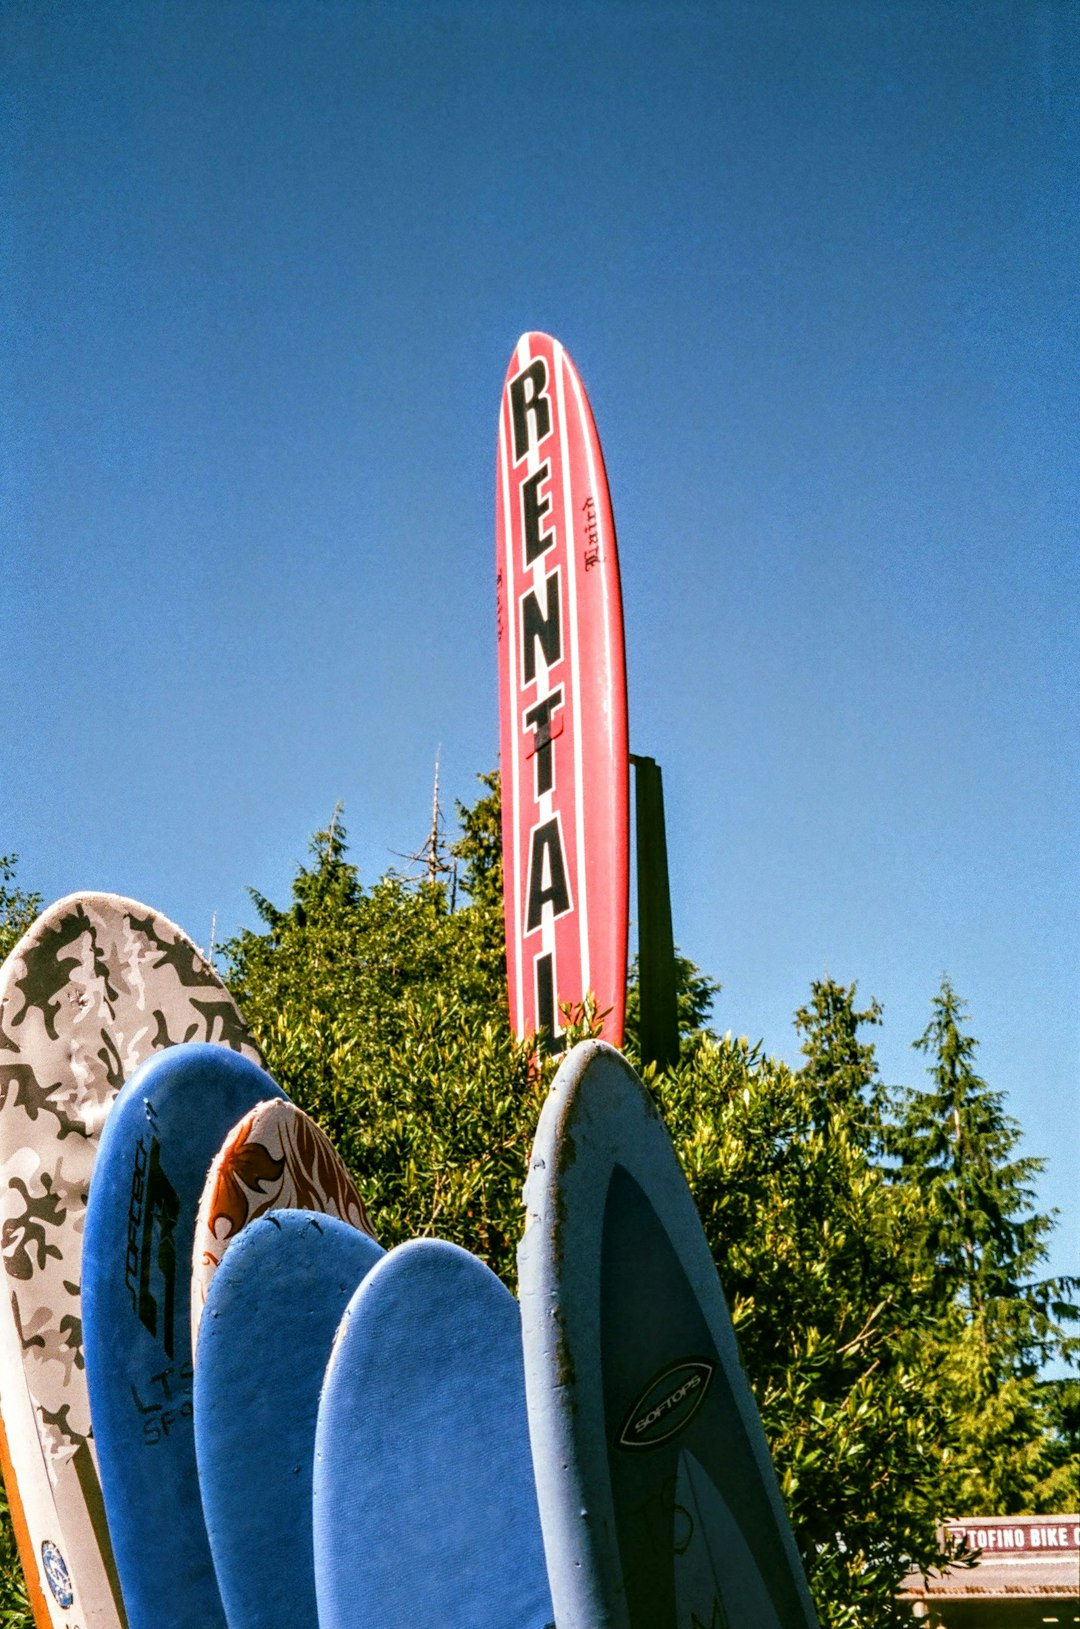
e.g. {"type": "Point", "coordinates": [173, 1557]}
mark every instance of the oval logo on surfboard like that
{"type": "Point", "coordinates": [667, 1404]}
{"type": "Point", "coordinates": [57, 1573]}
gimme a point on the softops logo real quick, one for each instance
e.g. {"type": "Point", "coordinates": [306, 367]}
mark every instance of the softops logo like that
{"type": "Point", "coordinates": [668, 1404]}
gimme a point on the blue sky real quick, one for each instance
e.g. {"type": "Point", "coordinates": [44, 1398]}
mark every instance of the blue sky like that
{"type": "Point", "coordinates": [264, 265]}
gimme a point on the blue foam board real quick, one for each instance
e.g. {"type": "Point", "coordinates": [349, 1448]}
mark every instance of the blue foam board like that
{"type": "Point", "coordinates": [271, 1314]}
{"type": "Point", "coordinates": [165, 1127]}
{"type": "Point", "coordinates": [424, 1502]}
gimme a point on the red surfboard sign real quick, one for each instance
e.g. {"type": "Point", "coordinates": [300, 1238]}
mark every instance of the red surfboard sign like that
{"type": "Point", "coordinates": [562, 702]}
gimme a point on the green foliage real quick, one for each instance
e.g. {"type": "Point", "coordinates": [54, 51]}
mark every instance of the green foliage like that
{"type": "Point", "coordinates": [841, 1070]}
{"type": "Point", "coordinates": [694, 995]}
{"type": "Point", "coordinates": [479, 852]}
{"type": "Point", "coordinates": [805, 1231]}
{"type": "Point", "coordinates": [958, 1144]}
{"type": "Point", "coordinates": [382, 1013]}
{"type": "Point", "coordinates": [14, 1605]}
{"type": "Point", "coordinates": [17, 909]}
{"type": "Point", "coordinates": [878, 1249]}
{"type": "Point", "coordinates": [982, 1242]}
{"type": "Point", "coordinates": [1059, 1489]}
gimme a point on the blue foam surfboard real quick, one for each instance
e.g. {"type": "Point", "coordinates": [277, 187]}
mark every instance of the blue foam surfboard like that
{"type": "Point", "coordinates": [166, 1125]}
{"type": "Point", "coordinates": [658, 1500]}
{"type": "Point", "coordinates": [271, 1314]}
{"type": "Point", "coordinates": [424, 1502]}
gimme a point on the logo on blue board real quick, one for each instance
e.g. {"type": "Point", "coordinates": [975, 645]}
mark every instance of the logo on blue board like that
{"type": "Point", "coordinates": [57, 1574]}
{"type": "Point", "coordinates": [150, 1262]}
{"type": "Point", "coordinates": [668, 1404]}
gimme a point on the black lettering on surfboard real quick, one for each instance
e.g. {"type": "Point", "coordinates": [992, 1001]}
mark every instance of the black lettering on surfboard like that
{"type": "Point", "coordinates": [534, 506]}
{"type": "Point", "coordinates": [592, 533]}
{"type": "Point", "coordinates": [134, 1228]}
{"type": "Point", "coordinates": [548, 884]}
{"type": "Point", "coordinates": [543, 626]}
{"type": "Point", "coordinates": [528, 396]}
{"type": "Point", "coordinates": [153, 1212]}
{"type": "Point", "coordinates": [539, 720]}
{"type": "Point", "coordinates": [546, 1016]}
{"type": "Point", "coordinates": [165, 1402]}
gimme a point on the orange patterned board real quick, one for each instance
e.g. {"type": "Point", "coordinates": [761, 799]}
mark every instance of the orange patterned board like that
{"type": "Point", "coordinates": [275, 1158]}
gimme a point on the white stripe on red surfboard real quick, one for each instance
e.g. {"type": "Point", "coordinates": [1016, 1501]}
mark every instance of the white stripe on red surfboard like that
{"type": "Point", "coordinates": [609, 571]}
{"type": "Point", "coordinates": [563, 366]}
{"type": "Point", "coordinates": [510, 861]}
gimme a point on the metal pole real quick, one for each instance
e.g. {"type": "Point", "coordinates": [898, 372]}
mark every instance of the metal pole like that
{"type": "Point", "coordinates": [657, 995]}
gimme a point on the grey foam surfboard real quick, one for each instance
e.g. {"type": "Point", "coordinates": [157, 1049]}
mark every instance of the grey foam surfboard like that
{"type": "Point", "coordinates": [658, 1500]}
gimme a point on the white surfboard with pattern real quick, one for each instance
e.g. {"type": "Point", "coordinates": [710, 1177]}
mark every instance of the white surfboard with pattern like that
{"type": "Point", "coordinates": [96, 985]}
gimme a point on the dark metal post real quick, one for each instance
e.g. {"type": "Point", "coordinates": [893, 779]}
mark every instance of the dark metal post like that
{"type": "Point", "coordinates": [657, 994]}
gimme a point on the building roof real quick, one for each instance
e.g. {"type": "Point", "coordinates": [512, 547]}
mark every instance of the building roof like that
{"type": "Point", "coordinates": [1034, 1558]}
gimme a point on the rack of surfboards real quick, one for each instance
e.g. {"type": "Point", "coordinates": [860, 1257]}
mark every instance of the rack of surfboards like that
{"type": "Point", "coordinates": [223, 1405]}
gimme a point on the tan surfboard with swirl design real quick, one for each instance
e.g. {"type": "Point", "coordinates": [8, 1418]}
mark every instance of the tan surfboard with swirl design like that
{"type": "Point", "coordinates": [96, 985]}
{"type": "Point", "coordinates": [275, 1158]}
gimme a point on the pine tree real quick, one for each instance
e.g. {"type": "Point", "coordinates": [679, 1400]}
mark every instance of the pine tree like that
{"type": "Point", "coordinates": [955, 1140]}
{"type": "Point", "coordinates": [841, 1071]}
{"type": "Point", "coordinates": [983, 1241]}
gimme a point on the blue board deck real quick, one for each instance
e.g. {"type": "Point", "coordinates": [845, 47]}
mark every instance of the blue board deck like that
{"type": "Point", "coordinates": [658, 1499]}
{"type": "Point", "coordinates": [269, 1322]}
{"type": "Point", "coordinates": [424, 1501]}
{"type": "Point", "coordinates": [165, 1127]}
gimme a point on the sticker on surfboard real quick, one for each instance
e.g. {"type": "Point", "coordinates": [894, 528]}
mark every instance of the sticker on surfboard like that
{"type": "Point", "coordinates": [424, 1509]}
{"type": "Point", "coordinates": [562, 701]}
{"type": "Point", "coordinates": [277, 1158]}
{"type": "Point", "coordinates": [658, 1500]}
{"type": "Point", "coordinates": [167, 1123]}
{"type": "Point", "coordinates": [95, 986]}
{"type": "Point", "coordinates": [271, 1315]}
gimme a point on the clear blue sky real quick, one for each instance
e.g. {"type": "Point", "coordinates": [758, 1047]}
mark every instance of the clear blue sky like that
{"type": "Point", "coordinates": [263, 267]}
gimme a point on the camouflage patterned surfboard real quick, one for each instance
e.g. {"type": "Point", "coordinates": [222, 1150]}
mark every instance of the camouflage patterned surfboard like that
{"type": "Point", "coordinates": [276, 1158]}
{"type": "Point", "coordinates": [97, 985]}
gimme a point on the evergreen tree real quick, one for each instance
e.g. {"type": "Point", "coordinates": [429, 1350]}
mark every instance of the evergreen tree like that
{"type": "Point", "coordinates": [840, 1071]}
{"type": "Point", "coordinates": [983, 1243]}
{"type": "Point", "coordinates": [479, 851]}
{"type": "Point", "coordinates": [956, 1143]}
